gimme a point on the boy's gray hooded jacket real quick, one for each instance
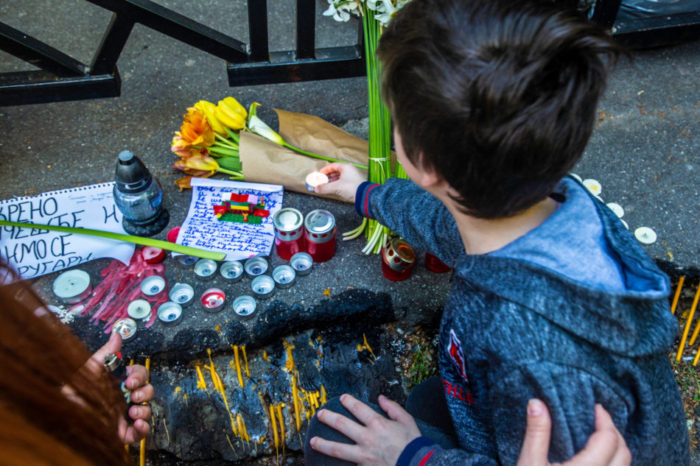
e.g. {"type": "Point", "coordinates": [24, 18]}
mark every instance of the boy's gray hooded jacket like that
{"type": "Point", "coordinates": [514, 330]}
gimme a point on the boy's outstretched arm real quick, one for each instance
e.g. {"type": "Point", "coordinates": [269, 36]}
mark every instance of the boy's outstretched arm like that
{"type": "Point", "coordinates": [401, 205]}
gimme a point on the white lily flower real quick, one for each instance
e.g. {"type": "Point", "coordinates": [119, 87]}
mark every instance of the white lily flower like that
{"type": "Point", "coordinates": [372, 4]}
{"type": "Point", "coordinates": [259, 127]}
{"type": "Point", "coordinates": [341, 16]}
{"type": "Point", "coordinates": [331, 9]}
{"type": "Point", "coordinates": [340, 11]}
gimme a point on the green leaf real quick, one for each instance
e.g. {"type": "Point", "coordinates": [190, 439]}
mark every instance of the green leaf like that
{"type": "Point", "coordinates": [217, 256]}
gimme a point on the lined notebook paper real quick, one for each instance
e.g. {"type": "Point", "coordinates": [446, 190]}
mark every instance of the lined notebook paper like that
{"type": "Point", "coordinates": [238, 240]}
{"type": "Point", "coordinates": [34, 252]}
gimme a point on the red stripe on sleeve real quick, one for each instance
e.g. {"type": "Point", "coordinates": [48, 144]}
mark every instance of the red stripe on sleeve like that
{"type": "Point", "coordinates": [426, 458]}
{"type": "Point", "coordinates": [367, 198]}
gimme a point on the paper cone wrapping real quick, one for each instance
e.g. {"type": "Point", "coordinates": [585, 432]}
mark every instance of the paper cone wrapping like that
{"type": "Point", "coordinates": [265, 162]}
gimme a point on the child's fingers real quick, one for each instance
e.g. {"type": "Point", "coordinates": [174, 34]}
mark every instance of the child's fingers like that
{"type": "Point", "coordinates": [343, 451]}
{"type": "Point", "coordinates": [342, 424]}
{"type": "Point", "coordinates": [394, 410]}
{"type": "Point", "coordinates": [361, 411]}
{"type": "Point", "coordinates": [536, 442]}
{"type": "Point", "coordinates": [332, 168]}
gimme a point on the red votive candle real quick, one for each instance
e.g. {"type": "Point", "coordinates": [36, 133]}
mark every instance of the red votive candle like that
{"type": "Point", "coordinates": [319, 234]}
{"type": "Point", "coordinates": [289, 232]}
{"type": "Point", "coordinates": [397, 259]}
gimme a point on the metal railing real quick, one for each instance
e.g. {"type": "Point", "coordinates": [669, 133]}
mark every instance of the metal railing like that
{"type": "Point", "coordinates": [62, 77]}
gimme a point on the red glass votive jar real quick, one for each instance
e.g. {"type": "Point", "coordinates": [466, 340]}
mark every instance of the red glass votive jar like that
{"type": "Point", "coordinates": [398, 259]}
{"type": "Point", "coordinates": [289, 232]}
{"type": "Point", "coordinates": [434, 264]}
{"type": "Point", "coordinates": [319, 233]}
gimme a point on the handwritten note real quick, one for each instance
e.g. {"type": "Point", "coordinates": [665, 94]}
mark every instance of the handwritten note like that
{"type": "Point", "coordinates": [34, 252]}
{"type": "Point", "coordinates": [238, 240]}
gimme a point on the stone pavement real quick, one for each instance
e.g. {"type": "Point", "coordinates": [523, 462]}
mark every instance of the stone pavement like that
{"type": "Point", "coordinates": [644, 153]}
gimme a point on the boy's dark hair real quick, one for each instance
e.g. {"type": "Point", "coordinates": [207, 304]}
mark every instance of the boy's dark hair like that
{"type": "Point", "coordinates": [499, 96]}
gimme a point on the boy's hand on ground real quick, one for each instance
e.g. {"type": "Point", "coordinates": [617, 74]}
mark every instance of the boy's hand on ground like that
{"type": "Point", "coordinates": [141, 392]}
{"type": "Point", "coordinates": [379, 441]}
{"type": "Point", "coordinates": [344, 179]}
{"type": "Point", "coordinates": [605, 447]}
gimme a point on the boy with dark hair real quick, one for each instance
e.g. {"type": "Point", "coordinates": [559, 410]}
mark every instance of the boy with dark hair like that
{"type": "Point", "coordinates": [493, 103]}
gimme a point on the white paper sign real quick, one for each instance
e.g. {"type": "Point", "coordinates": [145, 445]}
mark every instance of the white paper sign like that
{"type": "Point", "coordinates": [34, 252]}
{"type": "Point", "coordinates": [202, 229]}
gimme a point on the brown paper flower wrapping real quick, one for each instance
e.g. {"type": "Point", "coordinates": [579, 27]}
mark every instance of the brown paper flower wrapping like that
{"type": "Point", "coordinates": [265, 162]}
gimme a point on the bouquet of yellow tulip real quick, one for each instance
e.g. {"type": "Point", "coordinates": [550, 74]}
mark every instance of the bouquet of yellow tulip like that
{"type": "Point", "coordinates": [208, 140]}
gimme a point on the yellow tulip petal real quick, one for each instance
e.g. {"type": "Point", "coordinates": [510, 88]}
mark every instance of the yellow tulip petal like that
{"type": "Point", "coordinates": [229, 118]}
{"type": "Point", "coordinates": [209, 110]}
{"type": "Point", "coordinates": [235, 106]}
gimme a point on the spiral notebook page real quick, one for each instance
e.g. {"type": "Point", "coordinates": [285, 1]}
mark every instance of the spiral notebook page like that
{"type": "Point", "coordinates": [34, 252]}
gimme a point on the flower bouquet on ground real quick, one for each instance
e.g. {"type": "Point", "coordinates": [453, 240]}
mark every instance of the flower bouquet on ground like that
{"type": "Point", "coordinates": [209, 142]}
{"type": "Point", "coordinates": [375, 15]}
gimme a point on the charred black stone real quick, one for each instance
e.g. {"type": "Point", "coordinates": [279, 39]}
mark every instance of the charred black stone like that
{"type": "Point", "coordinates": [190, 343]}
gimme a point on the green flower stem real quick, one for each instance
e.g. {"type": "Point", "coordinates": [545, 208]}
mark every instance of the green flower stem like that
{"type": "Point", "coordinates": [223, 151]}
{"type": "Point", "coordinates": [234, 135]}
{"type": "Point", "coordinates": [225, 141]}
{"type": "Point", "coordinates": [317, 156]}
{"type": "Point", "coordinates": [217, 256]}
{"type": "Point", "coordinates": [229, 172]}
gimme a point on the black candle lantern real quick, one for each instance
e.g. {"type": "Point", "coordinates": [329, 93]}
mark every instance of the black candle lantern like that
{"type": "Point", "coordinates": [139, 197]}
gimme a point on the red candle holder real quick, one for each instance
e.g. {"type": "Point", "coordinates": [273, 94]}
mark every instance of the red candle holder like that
{"type": "Point", "coordinates": [398, 259]}
{"type": "Point", "coordinates": [434, 264]}
{"type": "Point", "coordinates": [319, 233]}
{"type": "Point", "coordinates": [289, 232]}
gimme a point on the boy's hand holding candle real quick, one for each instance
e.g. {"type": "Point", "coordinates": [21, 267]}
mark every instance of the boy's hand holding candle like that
{"type": "Point", "coordinates": [343, 180]}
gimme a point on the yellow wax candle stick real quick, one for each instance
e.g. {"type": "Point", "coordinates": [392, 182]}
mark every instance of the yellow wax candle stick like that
{"type": "Point", "coordinates": [219, 386]}
{"type": "Point", "coordinates": [201, 384]}
{"type": "Point", "coordinates": [273, 424]}
{"type": "Point", "coordinates": [238, 365]}
{"type": "Point", "coordinates": [369, 348]}
{"type": "Point", "coordinates": [245, 360]}
{"type": "Point", "coordinates": [687, 324]}
{"type": "Point", "coordinates": [289, 364]}
{"type": "Point", "coordinates": [295, 400]}
{"type": "Point", "coordinates": [697, 327]}
{"type": "Point", "coordinates": [678, 294]}
{"type": "Point", "coordinates": [324, 396]}
{"type": "Point", "coordinates": [142, 445]}
{"type": "Point", "coordinates": [280, 423]}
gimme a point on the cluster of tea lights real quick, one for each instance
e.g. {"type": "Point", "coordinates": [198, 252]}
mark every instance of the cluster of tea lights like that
{"type": "Point", "coordinates": [213, 299]}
